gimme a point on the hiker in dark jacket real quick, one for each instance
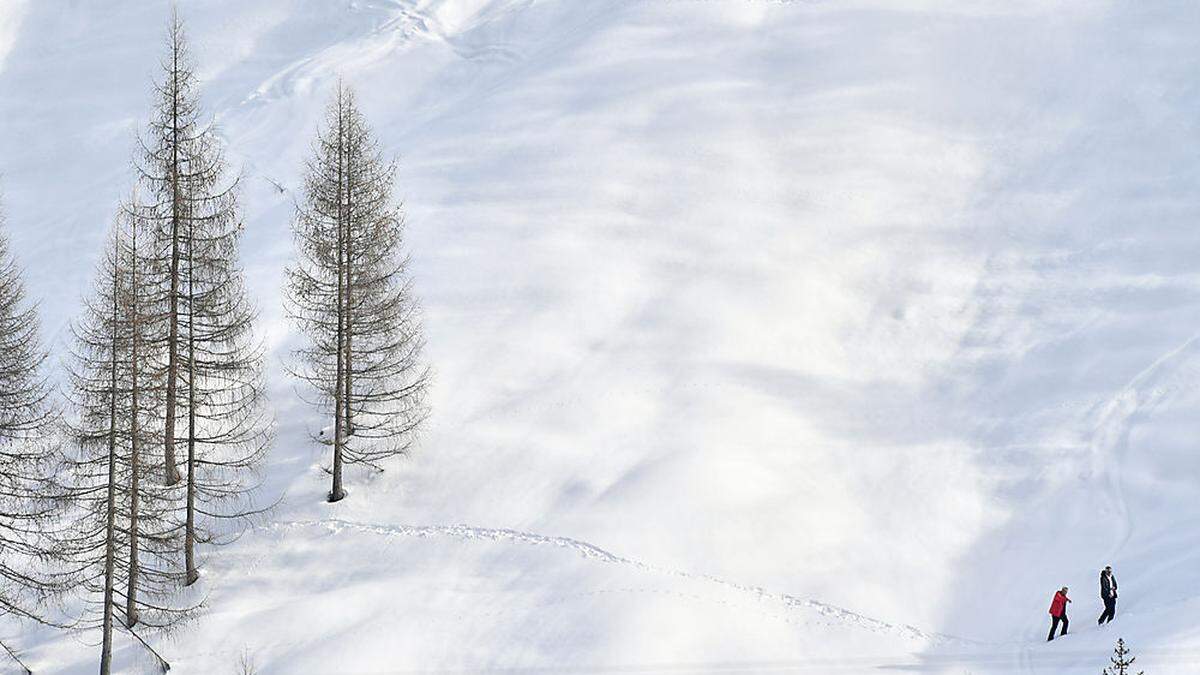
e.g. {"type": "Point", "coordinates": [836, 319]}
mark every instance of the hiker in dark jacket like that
{"type": "Point", "coordinates": [1108, 593]}
{"type": "Point", "coordinates": [1058, 611]}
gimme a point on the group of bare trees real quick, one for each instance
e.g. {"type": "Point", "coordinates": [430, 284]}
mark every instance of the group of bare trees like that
{"type": "Point", "coordinates": [123, 538]}
{"type": "Point", "coordinates": [161, 444]}
{"type": "Point", "coordinates": [166, 373]}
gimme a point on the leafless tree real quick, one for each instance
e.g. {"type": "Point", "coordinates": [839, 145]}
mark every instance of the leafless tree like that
{"type": "Point", "coordinates": [1121, 660]}
{"type": "Point", "coordinates": [123, 544]}
{"type": "Point", "coordinates": [28, 578]}
{"type": "Point", "coordinates": [180, 168]}
{"type": "Point", "coordinates": [213, 363]}
{"type": "Point", "coordinates": [351, 294]}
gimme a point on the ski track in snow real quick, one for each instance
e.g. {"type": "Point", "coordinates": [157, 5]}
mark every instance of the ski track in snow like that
{"type": "Point", "coordinates": [593, 552]}
{"type": "Point", "coordinates": [400, 26]}
{"type": "Point", "coordinates": [1110, 441]}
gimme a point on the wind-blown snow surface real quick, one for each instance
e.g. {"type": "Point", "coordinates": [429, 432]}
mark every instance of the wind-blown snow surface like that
{"type": "Point", "coordinates": [829, 335]}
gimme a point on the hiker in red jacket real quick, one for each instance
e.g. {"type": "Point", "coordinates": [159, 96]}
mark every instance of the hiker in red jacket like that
{"type": "Point", "coordinates": [1058, 610]}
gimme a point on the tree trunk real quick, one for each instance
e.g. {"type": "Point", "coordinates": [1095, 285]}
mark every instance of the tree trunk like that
{"type": "Point", "coordinates": [349, 292]}
{"type": "Point", "coordinates": [336, 493]}
{"type": "Point", "coordinates": [169, 464]}
{"type": "Point", "coordinates": [189, 538]}
{"type": "Point", "coordinates": [111, 521]}
{"type": "Point", "coordinates": [131, 617]}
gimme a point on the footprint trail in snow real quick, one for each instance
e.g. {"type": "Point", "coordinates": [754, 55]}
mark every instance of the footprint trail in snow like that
{"type": "Point", "coordinates": [593, 552]}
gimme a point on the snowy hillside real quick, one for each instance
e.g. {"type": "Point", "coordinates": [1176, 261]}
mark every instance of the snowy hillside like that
{"type": "Point", "coordinates": [820, 336]}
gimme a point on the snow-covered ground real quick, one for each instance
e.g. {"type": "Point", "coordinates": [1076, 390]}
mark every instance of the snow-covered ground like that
{"type": "Point", "coordinates": [828, 336]}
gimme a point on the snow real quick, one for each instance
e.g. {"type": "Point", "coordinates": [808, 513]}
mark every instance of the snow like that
{"type": "Point", "coordinates": [826, 336]}
{"type": "Point", "coordinates": [11, 13]}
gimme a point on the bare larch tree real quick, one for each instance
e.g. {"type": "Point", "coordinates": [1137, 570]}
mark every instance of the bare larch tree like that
{"type": "Point", "coordinates": [215, 405]}
{"type": "Point", "coordinates": [28, 577]}
{"type": "Point", "coordinates": [179, 174]}
{"type": "Point", "coordinates": [350, 292]}
{"type": "Point", "coordinates": [124, 539]}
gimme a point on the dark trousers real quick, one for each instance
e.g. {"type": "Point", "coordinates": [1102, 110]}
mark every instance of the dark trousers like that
{"type": "Point", "coordinates": [1110, 610]}
{"type": "Point", "coordinates": [1054, 626]}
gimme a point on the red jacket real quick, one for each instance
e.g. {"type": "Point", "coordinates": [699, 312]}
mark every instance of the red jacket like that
{"type": "Point", "coordinates": [1059, 606]}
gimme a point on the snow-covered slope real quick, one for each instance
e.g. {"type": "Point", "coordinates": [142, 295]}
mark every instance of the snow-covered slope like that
{"type": "Point", "coordinates": [825, 335]}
